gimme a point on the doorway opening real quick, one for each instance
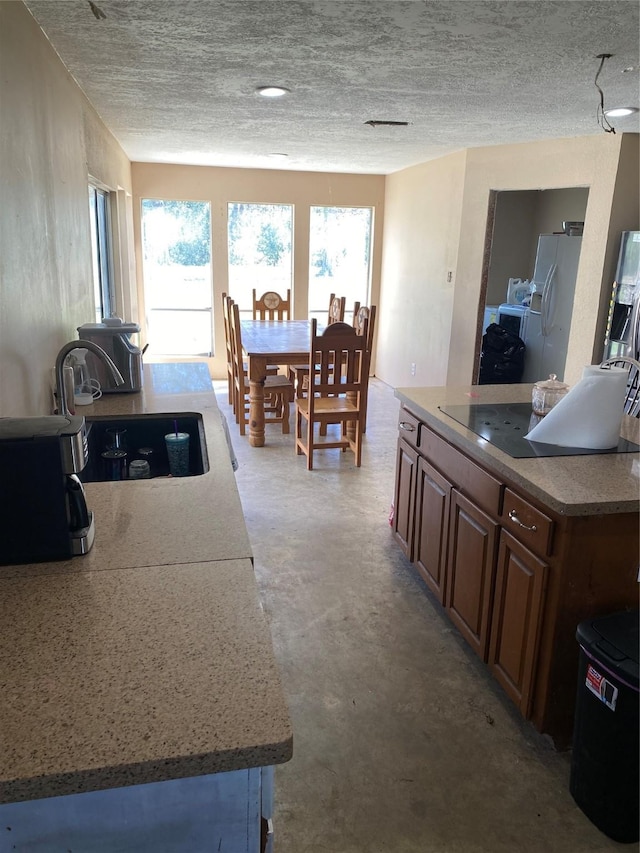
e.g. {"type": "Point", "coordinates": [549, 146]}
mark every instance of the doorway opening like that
{"type": "Point", "coordinates": [515, 222]}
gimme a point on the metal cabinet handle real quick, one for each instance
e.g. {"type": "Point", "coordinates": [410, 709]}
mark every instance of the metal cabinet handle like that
{"type": "Point", "coordinates": [513, 515]}
{"type": "Point", "coordinates": [406, 426]}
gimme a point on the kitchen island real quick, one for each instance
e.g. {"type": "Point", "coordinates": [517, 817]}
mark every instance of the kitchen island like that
{"type": "Point", "coordinates": [517, 551]}
{"type": "Point", "coordinates": [141, 702]}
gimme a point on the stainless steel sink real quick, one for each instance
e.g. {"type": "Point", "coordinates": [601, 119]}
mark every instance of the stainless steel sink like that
{"type": "Point", "coordinates": [142, 436]}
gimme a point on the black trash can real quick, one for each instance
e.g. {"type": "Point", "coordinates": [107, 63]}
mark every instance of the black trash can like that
{"type": "Point", "coordinates": [604, 762]}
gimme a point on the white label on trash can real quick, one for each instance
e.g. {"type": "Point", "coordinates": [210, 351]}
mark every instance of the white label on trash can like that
{"type": "Point", "coordinates": [600, 687]}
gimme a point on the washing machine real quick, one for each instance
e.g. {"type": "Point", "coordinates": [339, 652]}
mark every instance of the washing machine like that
{"type": "Point", "coordinates": [512, 318]}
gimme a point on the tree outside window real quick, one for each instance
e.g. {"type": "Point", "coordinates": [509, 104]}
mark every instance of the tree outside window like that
{"type": "Point", "coordinates": [260, 256]}
{"type": "Point", "coordinates": [339, 257]}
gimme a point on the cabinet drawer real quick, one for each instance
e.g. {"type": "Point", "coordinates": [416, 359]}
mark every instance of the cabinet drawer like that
{"type": "Point", "coordinates": [530, 526]}
{"type": "Point", "coordinates": [409, 428]}
{"type": "Point", "coordinates": [468, 477]}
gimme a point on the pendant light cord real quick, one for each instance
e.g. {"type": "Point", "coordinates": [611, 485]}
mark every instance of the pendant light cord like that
{"type": "Point", "coordinates": [601, 117]}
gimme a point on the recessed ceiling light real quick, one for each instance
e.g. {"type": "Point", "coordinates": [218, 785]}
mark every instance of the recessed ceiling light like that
{"type": "Point", "coordinates": [271, 91]}
{"type": "Point", "coordinates": [619, 112]}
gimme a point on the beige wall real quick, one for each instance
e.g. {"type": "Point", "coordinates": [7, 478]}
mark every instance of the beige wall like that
{"type": "Point", "coordinates": [556, 206]}
{"type": "Point", "coordinates": [435, 217]}
{"type": "Point", "coordinates": [583, 162]}
{"type": "Point", "coordinates": [423, 210]}
{"type": "Point", "coordinates": [511, 245]}
{"type": "Point", "coordinates": [444, 205]}
{"type": "Point", "coordinates": [521, 216]}
{"type": "Point", "coordinates": [51, 141]}
{"type": "Point", "coordinates": [220, 186]}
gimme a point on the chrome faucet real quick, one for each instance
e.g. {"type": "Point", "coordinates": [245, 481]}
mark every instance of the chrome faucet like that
{"type": "Point", "coordinates": [60, 362]}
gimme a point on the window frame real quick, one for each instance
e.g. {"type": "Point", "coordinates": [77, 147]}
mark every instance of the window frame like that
{"type": "Point", "coordinates": [102, 251]}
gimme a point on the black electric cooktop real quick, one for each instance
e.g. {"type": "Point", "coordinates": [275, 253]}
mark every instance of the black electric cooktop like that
{"type": "Point", "coordinates": [505, 425]}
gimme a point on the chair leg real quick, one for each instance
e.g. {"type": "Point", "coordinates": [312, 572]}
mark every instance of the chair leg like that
{"type": "Point", "coordinates": [309, 446]}
{"type": "Point", "coordinates": [230, 388]}
{"type": "Point", "coordinates": [358, 442]}
{"type": "Point", "coordinates": [285, 414]}
{"type": "Point", "coordinates": [298, 432]}
{"type": "Point", "coordinates": [304, 444]}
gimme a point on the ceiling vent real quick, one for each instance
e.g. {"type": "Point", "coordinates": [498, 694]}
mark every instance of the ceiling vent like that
{"type": "Point", "coordinates": [380, 123]}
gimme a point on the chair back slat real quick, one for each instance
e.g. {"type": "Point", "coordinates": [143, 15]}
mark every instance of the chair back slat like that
{"type": "Point", "coordinates": [236, 344]}
{"type": "Point", "coordinates": [367, 313]}
{"type": "Point", "coordinates": [227, 343]}
{"type": "Point", "coordinates": [336, 309]}
{"type": "Point", "coordinates": [631, 404]}
{"type": "Point", "coordinates": [336, 361]}
{"type": "Point", "coordinates": [271, 306]}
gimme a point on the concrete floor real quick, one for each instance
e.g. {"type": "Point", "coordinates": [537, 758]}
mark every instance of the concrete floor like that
{"type": "Point", "coordinates": [402, 741]}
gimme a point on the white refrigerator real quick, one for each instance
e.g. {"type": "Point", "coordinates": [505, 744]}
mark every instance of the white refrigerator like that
{"type": "Point", "coordinates": [548, 320]}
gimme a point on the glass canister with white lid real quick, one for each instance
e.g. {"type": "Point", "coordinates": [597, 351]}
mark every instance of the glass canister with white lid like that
{"type": "Point", "coordinates": [547, 393]}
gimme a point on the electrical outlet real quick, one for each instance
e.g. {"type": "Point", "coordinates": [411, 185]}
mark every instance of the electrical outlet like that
{"type": "Point", "coordinates": [413, 368]}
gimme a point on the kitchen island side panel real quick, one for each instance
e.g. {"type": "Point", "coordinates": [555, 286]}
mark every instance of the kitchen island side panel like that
{"type": "Point", "coordinates": [596, 573]}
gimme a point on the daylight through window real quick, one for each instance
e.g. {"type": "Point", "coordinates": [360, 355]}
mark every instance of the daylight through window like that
{"type": "Point", "coordinates": [339, 258]}
{"type": "Point", "coordinates": [259, 240]}
{"type": "Point", "coordinates": [176, 245]}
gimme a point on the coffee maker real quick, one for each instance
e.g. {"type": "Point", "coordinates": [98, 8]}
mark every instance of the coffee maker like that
{"type": "Point", "coordinates": [114, 337]}
{"type": "Point", "coordinates": [44, 513]}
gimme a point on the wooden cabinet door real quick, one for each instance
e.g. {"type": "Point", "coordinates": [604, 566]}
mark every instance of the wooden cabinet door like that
{"type": "Point", "coordinates": [517, 613]}
{"type": "Point", "coordinates": [470, 571]}
{"type": "Point", "coordinates": [404, 499]}
{"type": "Point", "coordinates": [433, 493]}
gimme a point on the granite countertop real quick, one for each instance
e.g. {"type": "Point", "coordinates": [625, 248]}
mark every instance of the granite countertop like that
{"type": "Point", "coordinates": [569, 485]}
{"type": "Point", "coordinates": [150, 658]}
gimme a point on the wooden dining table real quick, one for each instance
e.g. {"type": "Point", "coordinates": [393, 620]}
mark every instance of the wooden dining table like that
{"type": "Point", "coordinates": [266, 343]}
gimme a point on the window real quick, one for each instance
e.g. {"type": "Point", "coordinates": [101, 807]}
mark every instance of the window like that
{"type": "Point", "coordinates": [176, 249]}
{"type": "Point", "coordinates": [99, 214]}
{"type": "Point", "coordinates": [259, 240]}
{"type": "Point", "coordinates": [339, 257]}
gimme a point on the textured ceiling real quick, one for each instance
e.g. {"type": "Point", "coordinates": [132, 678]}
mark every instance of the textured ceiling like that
{"type": "Point", "coordinates": [174, 80]}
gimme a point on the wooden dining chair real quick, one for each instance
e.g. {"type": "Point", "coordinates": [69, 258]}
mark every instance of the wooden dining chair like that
{"type": "Point", "coordinates": [632, 395]}
{"type": "Point", "coordinates": [227, 341]}
{"type": "Point", "coordinates": [227, 302]}
{"type": "Point", "coordinates": [299, 373]}
{"type": "Point", "coordinates": [337, 386]}
{"type": "Point", "coordinates": [278, 390]}
{"type": "Point", "coordinates": [364, 317]}
{"type": "Point", "coordinates": [336, 309]}
{"type": "Point", "coordinates": [271, 306]}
